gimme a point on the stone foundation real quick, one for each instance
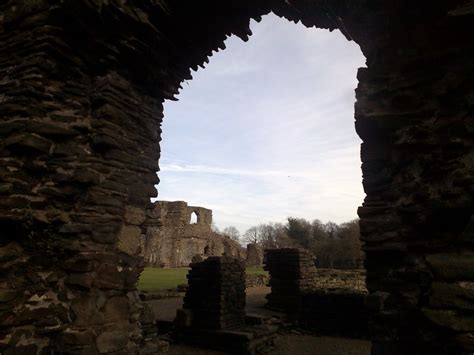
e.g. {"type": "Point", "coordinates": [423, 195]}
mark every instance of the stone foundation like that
{"type": "Point", "coordinates": [292, 274]}
{"type": "Point", "coordinates": [215, 298]}
{"type": "Point", "coordinates": [331, 302]}
{"type": "Point", "coordinates": [213, 314]}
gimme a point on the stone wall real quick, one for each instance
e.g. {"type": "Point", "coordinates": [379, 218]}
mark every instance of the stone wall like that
{"type": "Point", "coordinates": [215, 298]}
{"type": "Point", "coordinates": [254, 280]}
{"type": "Point", "coordinates": [353, 279]}
{"type": "Point", "coordinates": [254, 255]}
{"type": "Point", "coordinates": [171, 240]}
{"type": "Point", "coordinates": [82, 85]}
{"type": "Point", "coordinates": [292, 274]}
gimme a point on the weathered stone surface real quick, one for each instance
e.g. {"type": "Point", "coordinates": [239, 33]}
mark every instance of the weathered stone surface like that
{"type": "Point", "coordinates": [84, 279]}
{"type": "Point", "coordinates": [72, 337]}
{"type": "Point", "coordinates": [87, 309]}
{"type": "Point", "coordinates": [450, 319]}
{"type": "Point", "coordinates": [292, 274]}
{"type": "Point", "coordinates": [215, 296]}
{"type": "Point", "coordinates": [173, 241]}
{"type": "Point", "coordinates": [117, 309]}
{"type": "Point", "coordinates": [108, 342]}
{"type": "Point", "coordinates": [7, 295]}
{"type": "Point", "coordinates": [129, 240]}
{"type": "Point", "coordinates": [453, 266]}
{"type": "Point", "coordinates": [134, 216]}
{"type": "Point", "coordinates": [451, 296]}
{"type": "Point", "coordinates": [80, 125]}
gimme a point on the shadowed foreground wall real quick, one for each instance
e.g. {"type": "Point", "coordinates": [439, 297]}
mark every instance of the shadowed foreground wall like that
{"type": "Point", "coordinates": [81, 90]}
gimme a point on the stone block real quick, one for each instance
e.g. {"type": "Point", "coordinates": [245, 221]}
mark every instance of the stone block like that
{"type": "Point", "coordinates": [29, 142]}
{"type": "Point", "coordinates": [449, 295]}
{"type": "Point", "coordinates": [86, 309]}
{"type": "Point", "coordinates": [453, 266]}
{"type": "Point", "coordinates": [129, 240]}
{"type": "Point", "coordinates": [109, 277]}
{"type": "Point", "coordinates": [81, 279]}
{"type": "Point", "coordinates": [455, 320]}
{"type": "Point", "coordinates": [117, 309]}
{"type": "Point", "coordinates": [76, 337]}
{"type": "Point", "coordinates": [134, 216]}
{"type": "Point", "coordinates": [112, 341]}
{"type": "Point", "coordinates": [7, 295]}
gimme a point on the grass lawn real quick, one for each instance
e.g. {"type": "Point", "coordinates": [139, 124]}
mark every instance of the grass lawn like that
{"type": "Point", "coordinates": [154, 279]}
{"type": "Point", "coordinates": [253, 270]}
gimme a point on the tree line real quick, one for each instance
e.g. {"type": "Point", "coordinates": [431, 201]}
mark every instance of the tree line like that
{"type": "Point", "coordinates": [334, 245]}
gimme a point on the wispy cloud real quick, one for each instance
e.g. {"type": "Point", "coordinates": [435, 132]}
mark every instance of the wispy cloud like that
{"type": "Point", "coordinates": [267, 129]}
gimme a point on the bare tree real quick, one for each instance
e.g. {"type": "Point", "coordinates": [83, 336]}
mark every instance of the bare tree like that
{"type": "Point", "coordinates": [251, 236]}
{"type": "Point", "coordinates": [267, 235]}
{"type": "Point", "coordinates": [232, 232]}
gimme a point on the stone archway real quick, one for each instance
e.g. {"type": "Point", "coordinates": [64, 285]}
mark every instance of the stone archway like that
{"type": "Point", "coordinates": [81, 105]}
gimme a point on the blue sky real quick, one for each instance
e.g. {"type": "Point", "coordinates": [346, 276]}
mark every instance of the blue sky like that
{"type": "Point", "coordinates": [266, 130]}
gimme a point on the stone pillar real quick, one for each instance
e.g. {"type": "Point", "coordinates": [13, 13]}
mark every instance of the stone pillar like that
{"type": "Point", "coordinates": [215, 298]}
{"type": "Point", "coordinates": [292, 274]}
{"type": "Point", "coordinates": [415, 118]}
{"type": "Point", "coordinates": [78, 165]}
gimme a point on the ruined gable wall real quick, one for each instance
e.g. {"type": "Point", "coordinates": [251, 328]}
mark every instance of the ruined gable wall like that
{"type": "Point", "coordinates": [172, 241]}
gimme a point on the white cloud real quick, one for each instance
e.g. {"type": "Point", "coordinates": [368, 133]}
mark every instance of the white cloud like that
{"type": "Point", "coordinates": [267, 130]}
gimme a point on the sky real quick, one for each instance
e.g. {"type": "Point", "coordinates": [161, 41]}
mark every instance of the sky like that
{"type": "Point", "coordinates": [266, 130]}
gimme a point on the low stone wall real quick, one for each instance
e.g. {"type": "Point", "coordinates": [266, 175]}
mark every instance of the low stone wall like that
{"type": "Point", "coordinates": [215, 298]}
{"type": "Point", "coordinates": [150, 343]}
{"type": "Point", "coordinates": [292, 273]}
{"type": "Point", "coordinates": [329, 279]}
{"type": "Point", "coordinates": [253, 280]}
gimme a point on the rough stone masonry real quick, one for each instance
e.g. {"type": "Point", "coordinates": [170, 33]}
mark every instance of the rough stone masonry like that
{"type": "Point", "coordinates": [82, 86]}
{"type": "Point", "coordinates": [215, 298]}
{"type": "Point", "coordinates": [172, 239]}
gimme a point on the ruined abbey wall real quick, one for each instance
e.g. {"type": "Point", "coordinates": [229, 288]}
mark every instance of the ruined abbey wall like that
{"type": "Point", "coordinates": [82, 84]}
{"type": "Point", "coordinates": [172, 239]}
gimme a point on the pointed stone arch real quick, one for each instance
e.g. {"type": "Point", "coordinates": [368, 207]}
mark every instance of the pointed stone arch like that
{"type": "Point", "coordinates": [80, 124]}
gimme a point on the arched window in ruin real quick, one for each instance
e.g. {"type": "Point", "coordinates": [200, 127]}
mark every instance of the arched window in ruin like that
{"type": "Point", "coordinates": [194, 218]}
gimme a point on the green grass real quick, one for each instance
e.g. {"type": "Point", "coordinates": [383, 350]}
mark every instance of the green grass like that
{"type": "Point", "coordinates": [252, 270]}
{"type": "Point", "coordinates": [154, 279]}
